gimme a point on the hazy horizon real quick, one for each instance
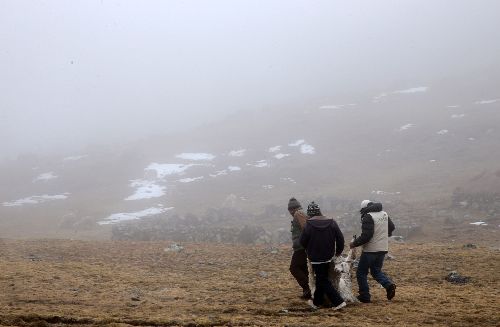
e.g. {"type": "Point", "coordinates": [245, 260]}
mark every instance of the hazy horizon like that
{"type": "Point", "coordinates": [82, 72]}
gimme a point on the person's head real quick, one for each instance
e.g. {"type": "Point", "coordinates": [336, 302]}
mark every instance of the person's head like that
{"type": "Point", "coordinates": [293, 205]}
{"type": "Point", "coordinates": [365, 203]}
{"type": "Point", "coordinates": [313, 210]}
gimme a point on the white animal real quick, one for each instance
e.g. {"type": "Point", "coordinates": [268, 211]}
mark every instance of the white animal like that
{"type": "Point", "coordinates": [339, 275]}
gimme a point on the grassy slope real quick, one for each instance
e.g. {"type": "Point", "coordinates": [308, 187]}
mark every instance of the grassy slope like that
{"type": "Point", "coordinates": [84, 283]}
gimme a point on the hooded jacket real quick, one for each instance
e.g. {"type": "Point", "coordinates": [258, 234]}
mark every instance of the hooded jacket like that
{"type": "Point", "coordinates": [322, 239]}
{"type": "Point", "coordinates": [376, 227]}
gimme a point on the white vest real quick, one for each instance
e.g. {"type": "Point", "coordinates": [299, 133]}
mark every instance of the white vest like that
{"type": "Point", "coordinates": [380, 239]}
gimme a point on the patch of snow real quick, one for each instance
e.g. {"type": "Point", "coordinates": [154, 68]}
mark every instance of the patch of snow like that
{"type": "Point", "coordinates": [432, 160]}
{"type": "Point", "coordinates": [45, 177]}
{"type": "Point", "coordinates": [237, 153]}
{"type": "Point", "coordinates": [163, 170]}
{"type": "Point", "coordinates": [281, 155]}
{"type": "Point", "coordinates": [268, 187]}
{"type": "Point", "coordinates": [288, 179]}
{"type": "Point", "coordinates": [218, 173]}
{"type": "Point", "coordinates": [458, 116]}
{"type": "Point", "coordinates": [479, 223]}
{"type": "Point", "coordinates": [412, 90]}
{"type": "Point", "coordinates": [259, 164]}
{"type": "Point", "coordinates": [36, 199]}
{"type": "Point", "coordinates": [75, 158]}
{"type": "Point", "coordinates": [487, 101]}
{"type": "Point", "coordinates": [233, 168]}
{"type": "Point", "coordinates": [307, 149]}
{"type": "Point", "coordinates": [442, 132]}
{"type": "Point", "coordinates": [145, 190]}
{"type": "Point", "coordinates": [407, 91]}
{"type": "Point", "coordinates": [297, 143]}
{"type": "Point", "coordinates": [471, 139]}
{"type": "Point", "coordinates": [196, 156]}
{"type": "Point", "coordinates": [405, 127]}
{"type": "Point", "coordinates": [385, 193]}
{"type": "Point", "coordinates": [336, 106]}
{"type": "Point", "coordinates": [125, 216]}
{"type": "Point", "coordinates": [453, 106]}
{"type": "Point", "coordinates": [275, 148]}
{"type": "Point", "coordinates": [189, 180]}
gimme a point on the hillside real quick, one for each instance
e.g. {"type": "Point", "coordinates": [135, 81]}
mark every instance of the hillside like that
{"type": "Point", "coordinates": [60, 283]}
{"type": "Point", "coordinates": [419, 149]}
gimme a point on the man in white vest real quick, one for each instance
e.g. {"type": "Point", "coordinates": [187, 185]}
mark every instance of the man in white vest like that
{"type": "Point", "coordinates": [376, 228]}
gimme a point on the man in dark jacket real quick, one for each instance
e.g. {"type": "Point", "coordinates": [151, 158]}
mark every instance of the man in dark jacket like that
{"type": "Point", "coordinates": [376, 228]}
{"type": "Point", "coordinates": [322, 240]}
{"type": "Point", "coordinates": [298, 265]}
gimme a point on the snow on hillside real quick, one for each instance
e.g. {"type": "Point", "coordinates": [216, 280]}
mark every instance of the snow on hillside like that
{"type": "Point", "coordinates": [146, 190]}
{"type": "Point", "coordinates": [45, 177]}
{"type": "Point", "coordinates": [490, 101]}
{"type": "Point", "coordinates": [75, 158]}
{"type": "Point", "coordinates": [164, 170]}
{"type": "Point", "coordinates": [237, 153]}
{"type": "Point", "coordinates": [196, 156]}
{"type": "Point", "coordinates": [125, 216]}
{"type": "Point", "coordinates": [406, 127]}
{"type": "Point", "coordinates": [36, 199]}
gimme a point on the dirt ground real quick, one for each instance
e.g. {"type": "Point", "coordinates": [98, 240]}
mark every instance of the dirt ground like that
{"type": "Point", "coordinates": [59, 283]}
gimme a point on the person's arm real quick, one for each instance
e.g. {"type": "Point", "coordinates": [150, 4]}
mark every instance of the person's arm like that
{"type": "Point", "coordinates": [339, 240]}
{"type": "Point", "coordinates": [301, 218]}
{"type": "Point", "coordinates": [305, 236]}
{"type": "Point", "coordinates": [391, 227]}
{"type": "Point", "coordinates": [367, 229]}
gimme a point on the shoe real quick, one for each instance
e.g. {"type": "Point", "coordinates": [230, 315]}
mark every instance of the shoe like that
{"type": "Point", "coordinates": [362, 299]}
{"type": "Point", "coordinates": [312, 305]}
{"type": "Point", "coordinates": [340, 306]}
{"type": "Point", "coordinates": [391, 291]}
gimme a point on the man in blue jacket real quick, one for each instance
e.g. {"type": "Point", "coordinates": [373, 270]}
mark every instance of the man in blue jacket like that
{"type": "Point", "coordinates": [376, 227]}
{"type": "Point", "coordinates": [322, 240]}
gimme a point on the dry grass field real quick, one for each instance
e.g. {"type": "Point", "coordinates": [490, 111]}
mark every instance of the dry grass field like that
{"type": "Point", "coordinates": [62, 282]}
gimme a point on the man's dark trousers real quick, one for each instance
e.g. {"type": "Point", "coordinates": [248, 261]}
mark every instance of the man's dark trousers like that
{"type": "Point", "coordinates": [324, 286]}
{"type": "Point", "coordinates": [372, 261]}
{"type": "Point", "coordinates": [298, 268]}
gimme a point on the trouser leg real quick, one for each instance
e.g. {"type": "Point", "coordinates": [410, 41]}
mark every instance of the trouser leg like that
{"type": "Point", "coordinates": [362, 276]}
{"type": "Point", "coordinates": [298, 269]}
{"type": "Point", "coordinates": [324, 286]}
{"type": "Point", "coordinates": [377, 273]}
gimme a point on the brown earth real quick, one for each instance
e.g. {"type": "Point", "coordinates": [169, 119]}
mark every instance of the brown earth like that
{"type": "Point", "coordinates": [59, 283]}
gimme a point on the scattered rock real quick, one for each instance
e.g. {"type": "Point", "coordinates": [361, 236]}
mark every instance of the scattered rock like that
{"type": "Point", "coordinates": [470, 246]}
{"type": "Point", "coordinates": [33, 257]}
{"type": "Point", "coordinates": [174, 247]}
{"type": "Point", "coordinates": [135, 298]}
{"type": "Point", "coordinates": [455, 278]}
{"type": "Point", "coordinates": [263, 274]}
{"type": "Point", "coordinates": [390, 257]}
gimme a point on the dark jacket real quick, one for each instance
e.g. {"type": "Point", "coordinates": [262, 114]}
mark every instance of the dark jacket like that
{"type": "Point", "coordinates": [367, 224]}
{"type": "Point", "coordinates": [322, 239]}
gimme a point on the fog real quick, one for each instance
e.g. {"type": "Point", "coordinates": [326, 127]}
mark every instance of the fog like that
{"type": "Point", "coordinates": [81, 72]}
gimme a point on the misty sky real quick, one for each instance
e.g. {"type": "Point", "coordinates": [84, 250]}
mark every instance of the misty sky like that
{"type": "Point", "coordinates": [74, 72]}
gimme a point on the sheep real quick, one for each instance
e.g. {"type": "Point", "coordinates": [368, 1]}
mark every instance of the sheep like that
{"type": "Point", "coordinates": [340, 276]}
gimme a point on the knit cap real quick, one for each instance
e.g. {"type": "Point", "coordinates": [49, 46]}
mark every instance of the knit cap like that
{"type": "Point", "coordinates": [313, 210]}
{"type": "Point", "coordinates": [293, 204]}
